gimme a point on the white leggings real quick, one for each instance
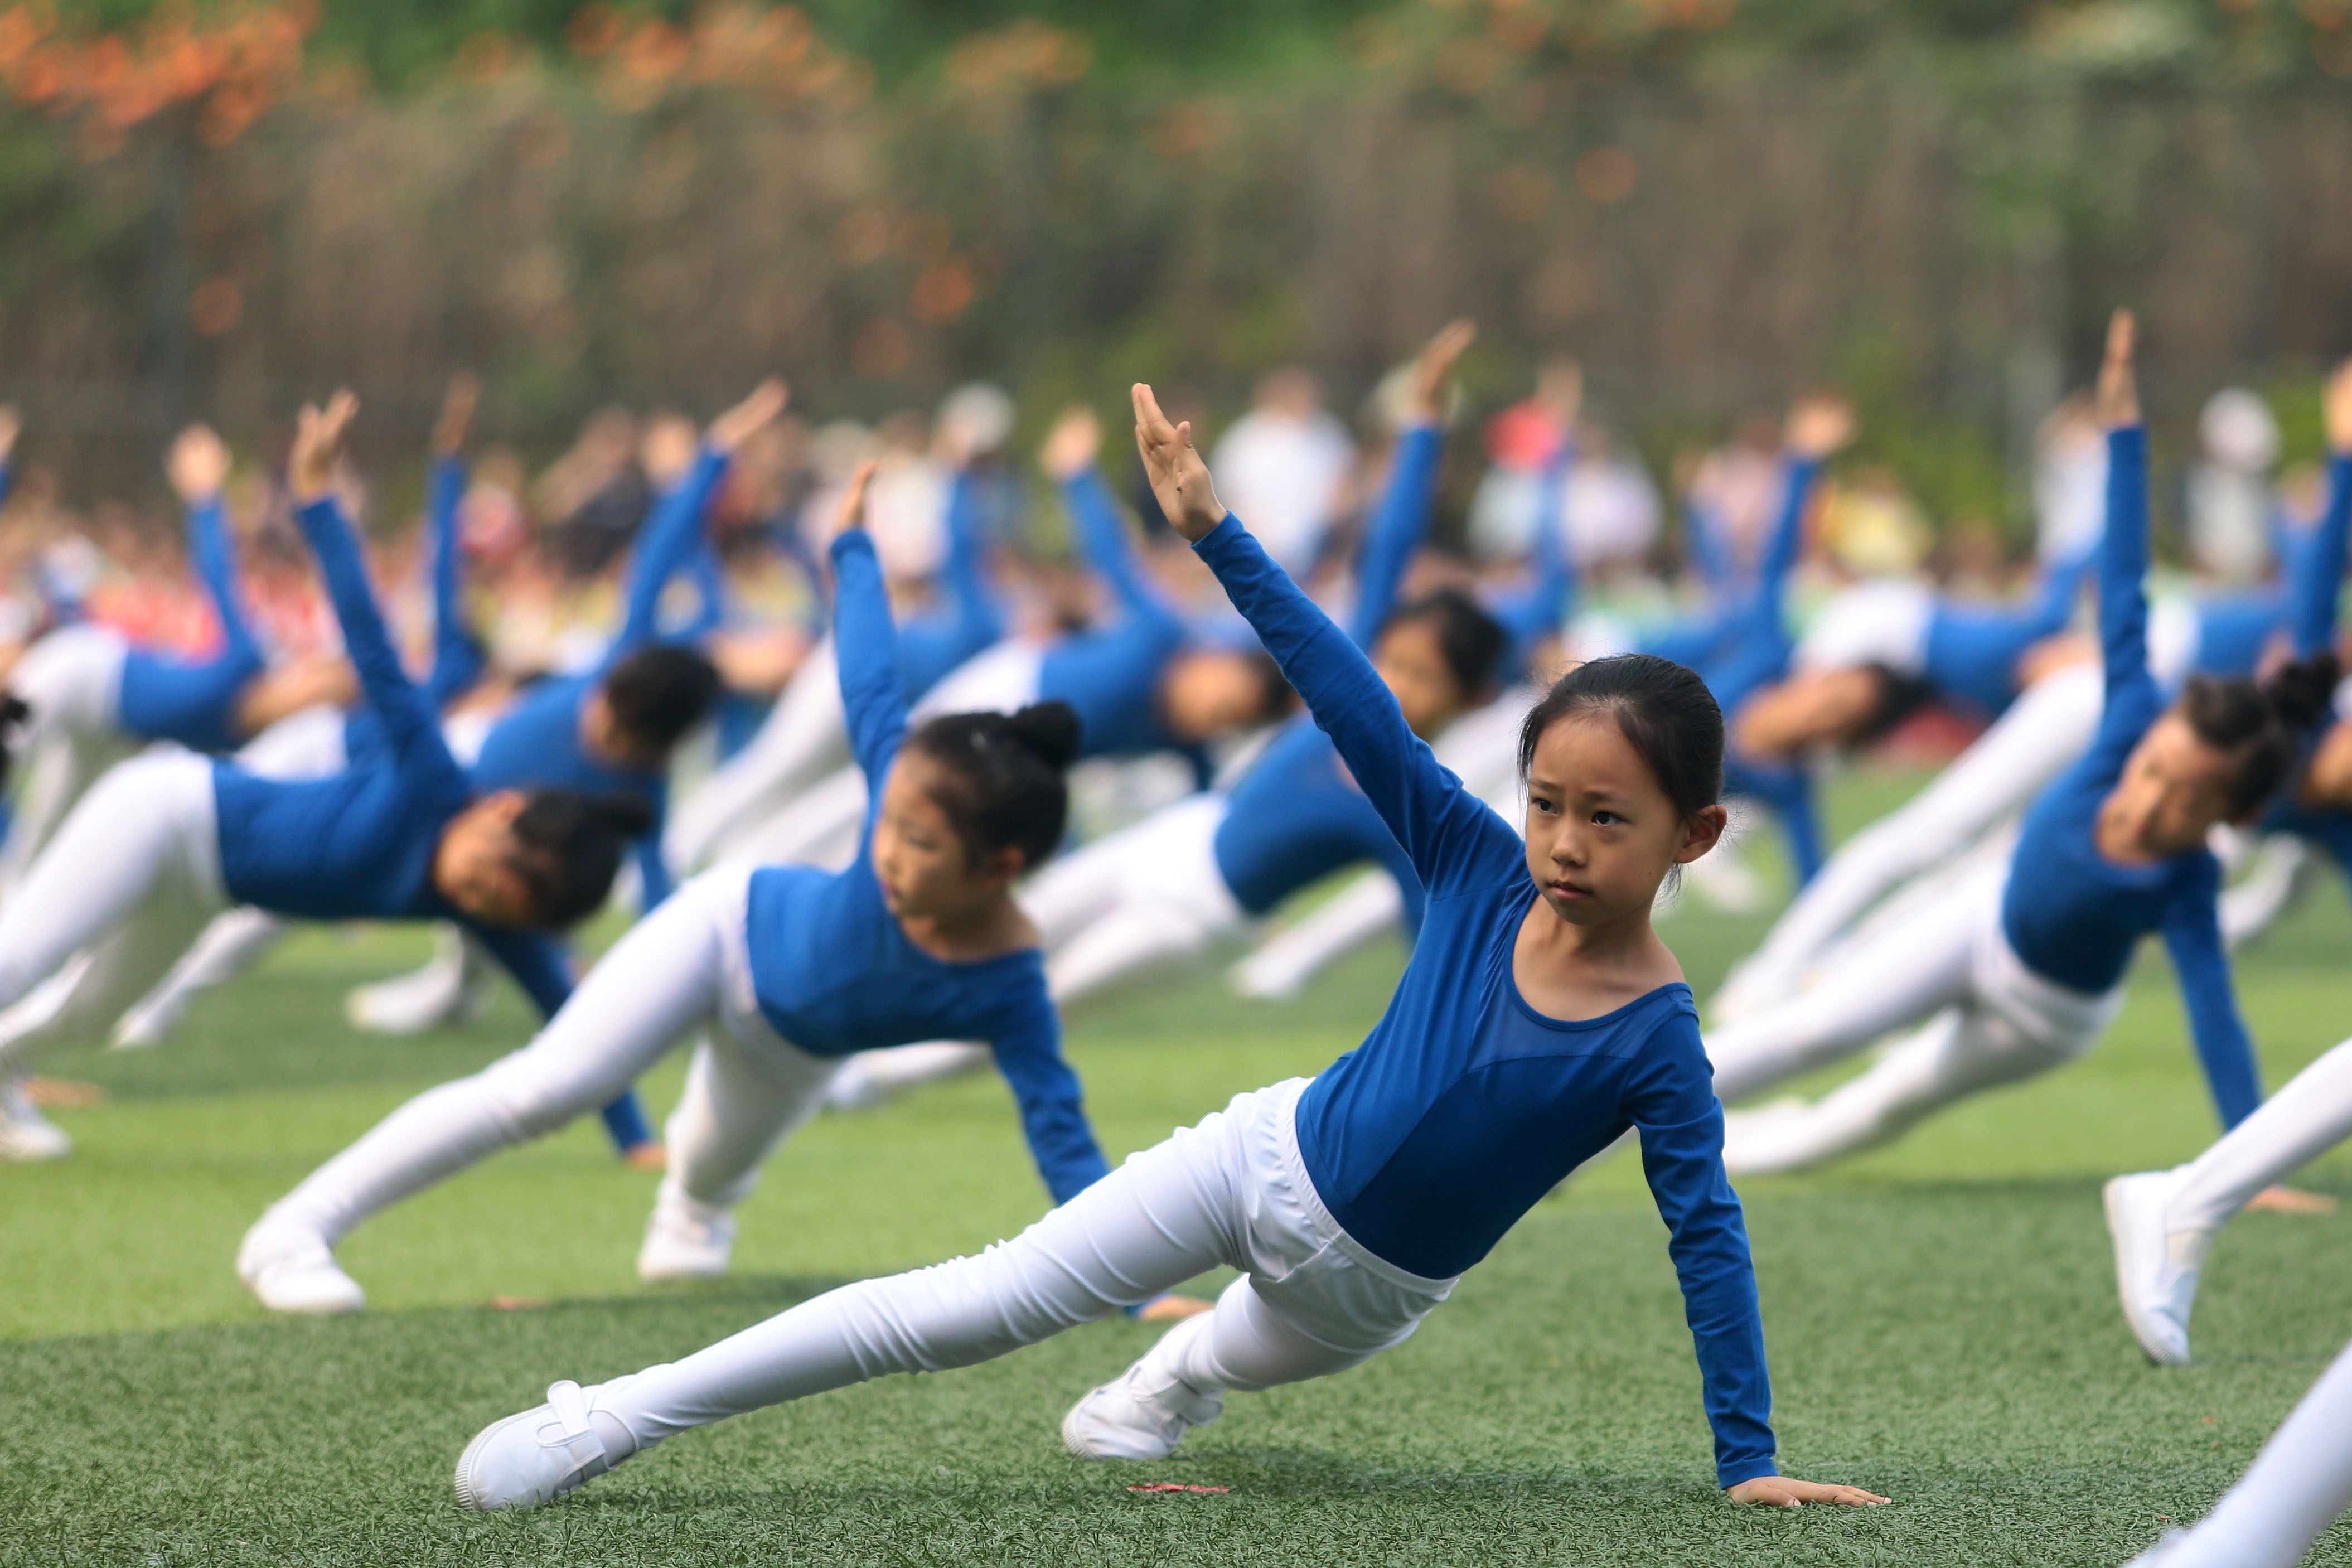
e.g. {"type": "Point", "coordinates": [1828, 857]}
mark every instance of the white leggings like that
{"type": "Point", "coordinates": [1230, 1191]}
{"type": "Point", "coordinates": [1983, 1020]}
{"type": "Point", "coordinates": [2296, 1486]}
{"type": "Point", "coordinates": [2310, 1114]}
{"type": "Point", "coordinates": [72, 680]}
{"type": "Point", "coordinates": [803, 737]}
{"type": "Point", "coordinates": [2044, 730]}
{"type": "Point", "coordinates": [130, 878]}
{"type": "Point", "coordinates": [682, 968]}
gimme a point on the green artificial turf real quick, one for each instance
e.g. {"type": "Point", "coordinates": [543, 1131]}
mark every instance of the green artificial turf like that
{"type": "Point", "coordinates": [1939, 1313]}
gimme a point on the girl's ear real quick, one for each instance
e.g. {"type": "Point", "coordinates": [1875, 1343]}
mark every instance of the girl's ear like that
{"type": "Point", "coordinates": [1702, 831]}
{"type": "Point", "coordinates": [1002, 868]}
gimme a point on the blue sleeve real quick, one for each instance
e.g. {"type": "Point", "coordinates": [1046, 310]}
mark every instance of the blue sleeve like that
{"type": "Point", "coordinates": [208, 547]}
{"type": "Point", "coordinates": [1703, 542]}
{"type": "Point", "coordinates": [1105, 545]}
{"type": "Point", "coordinates": [1396, 528]}
{"type": "Point", "coordinates": [978, 620]}
{"type": "Point", "coordinates": [1786, 541]}
{"type": "Point", "coordinates": [710, 580]}
{"type": "Point", "coordinates": [2132, 699]}
{"type": "Point", "coordinates": [457, 657]}
{"type": "Point", "coordinates": [1052, 1111]}
{"type": "Point", "coordinates": [1537, 611]}
{"type": "Point", "coordinates": [7, 477]}
{"type": "Point", "coordinates": [399, 702]}
{"type": "Point", "coordinates": [2192, 935]}
{"type": "Point", "coordinates": [862, 640]}
{"type": "Point", "coordinates": [2319, 578]}
{"type": "Point", "coordinates": [540, 965]}
{"type": "Point", "coordinates": [1446, 831]}
{"type": "Point", "coordinates": [663, 545]}
{"type": "Point", "coordinates": [1674, 1106]}
{"type": "Point", "coordinates": [653, 871]}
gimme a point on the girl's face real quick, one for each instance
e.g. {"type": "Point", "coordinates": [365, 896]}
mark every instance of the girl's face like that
{"type": "Point", "coordinates": [474, 865]}
{"type": "Point", "coordinates": [1601, 834]}
{"type": "Point", "coordinates": [1412, 660]}
{"type": "Point", "coordinates": [925, 870]}
{"type": "Point", "coordinates": [2174, 788]}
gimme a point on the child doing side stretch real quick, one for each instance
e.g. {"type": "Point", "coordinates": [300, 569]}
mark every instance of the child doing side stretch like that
{"type": "Point", "coordinates": [1540, 1018]}
{"type": "Point", "coordinates": [791, 968]}
{"type": "Point", "coordinates": [2021, 968]}
{"type": "Point", "coordinates": [166, 841]}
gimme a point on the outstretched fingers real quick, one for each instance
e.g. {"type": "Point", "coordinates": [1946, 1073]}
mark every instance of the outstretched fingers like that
{"type": "Point", "coordinates": [2118, 396]}
{"type": "Point", "coordinates": [851, 512]}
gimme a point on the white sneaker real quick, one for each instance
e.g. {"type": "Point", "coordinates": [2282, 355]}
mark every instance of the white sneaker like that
{"type": "Point", "coordinates": [685, 1241]}
{"type": "Point", "coordinates": [537, 1456]}
{"type": "Point", "coordinates": [1143, 1416]}
{"type": "Point", "coordinates": [25, 1134]}
{"type": "Point", "coordinates": [291, 1272]}
{"type": "Point", "coordinates": [441, 993]}
{"type": "Point", "coordinates": [151, 1021]}
{"type": "Point", "coordinates": [854, 1087]}
{"type": "Point", "coordinates": [2156, 1272]}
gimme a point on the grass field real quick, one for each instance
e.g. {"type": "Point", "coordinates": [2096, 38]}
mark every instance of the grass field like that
{"type": "Point", "coordinates": [1940, 1319]}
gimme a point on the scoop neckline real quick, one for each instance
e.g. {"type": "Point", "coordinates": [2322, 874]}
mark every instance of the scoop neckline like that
{"type": "Point", "coordinates": [1602, 1020]}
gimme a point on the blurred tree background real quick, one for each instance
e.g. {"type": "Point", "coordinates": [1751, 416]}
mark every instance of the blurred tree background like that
{"type": "Point", "coordinates": [220, 207]}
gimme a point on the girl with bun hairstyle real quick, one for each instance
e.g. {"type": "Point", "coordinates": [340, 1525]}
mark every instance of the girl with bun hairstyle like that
{"type": "Point", "coordinates": [788, 969]}
{"type": "Point", "coordinates": [2020, 968]}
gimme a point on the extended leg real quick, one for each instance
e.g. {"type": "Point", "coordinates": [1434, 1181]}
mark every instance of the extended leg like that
{"type": "Point", "coordinates": [803, 737]}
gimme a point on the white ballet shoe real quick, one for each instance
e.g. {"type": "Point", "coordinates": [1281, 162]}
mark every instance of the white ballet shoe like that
{"type": "Point", "coordinates": [439, 994]}
{"type": "Point", "coordinates": [291, 1271]}
{"type": "Point", "coordinates": [855, 1087]}
{"type": "Point", "coordinates": [533, 1458]}
{"type": "Point", "coordinates": [27, 1135]}
{"type": "Point", "coordinates": [2155, 1271]}
{"type": "Point", "coordinates": [151, 1023]}
{"type": "Point", "coordinates": [1143, 1416]}
{"type": "Point", "coordinates": [685, 1241]}
{"type": "Point", "coordinates": [1267, 976]}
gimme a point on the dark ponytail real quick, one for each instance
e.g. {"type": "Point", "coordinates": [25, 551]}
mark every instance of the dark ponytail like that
{"type": "Point", "coordinates": [1000, 779]}
{"type": "Point", "coordinates": [14, 712]}
{"type": "Point", "coordinates": [1665, 711]}
{"type": "Point", "coordinates": [568, 850]}
{"type": "Point", "coordinates": [2263, 724]}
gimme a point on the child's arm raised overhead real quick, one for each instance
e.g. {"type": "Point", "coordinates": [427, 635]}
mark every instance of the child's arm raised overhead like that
{"type": "Point", "coordinates": [2316, 587]}
{"type": "Point", "coordinates": [1402, 518]}
{"type": "Point", "coordinates": [199, 468]}
{"type": "Point", "coordinates": [667, 540]}
{"type": "Point", "coordinates": [1446, 828]}
{"type": "Point", "coordinates": [310, 474]}
{"type": "Point", "coordinates": [9, 427]}
{"type": "Point", "coordinates": [864, 637]}
{"type": "Point", "coordinates": [457, 657]}
{"type": "Point", "coordinates": [2132, 699]}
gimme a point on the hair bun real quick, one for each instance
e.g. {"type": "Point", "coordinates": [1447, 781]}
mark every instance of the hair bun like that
{"type": "Point", "coordinates": [2303, 691]}
{"type": "Point", "coordinates": [1048, 731]}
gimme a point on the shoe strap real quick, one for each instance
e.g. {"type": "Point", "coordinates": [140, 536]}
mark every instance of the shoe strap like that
{"type": "Point", "coordinates": [568, 1401]}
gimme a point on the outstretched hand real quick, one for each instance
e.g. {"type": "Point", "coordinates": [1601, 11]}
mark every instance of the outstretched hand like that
{"type": "Point", "coordinates": [1179, 477]}
{"type": "Point", "coordinates": [1072, 445]}
{"type": "Point", "coordinates": [2117, 403]}
{"type": "Point", "coordinates": [319, 447]}
{"type": "Point", "coordinates": [197, 464]}
{"type": "Point", "coordinates": [1780, 1491]}
{"type": "Point", "coordinates": [740, 422]}
{"type": "Point", "coordinates": [1820, 426]}
{"type": "Point", "coordinates": [851, 512]}
{"type": "Point", "coordinates": [9, 426]}
{"type": "Point", "coordinates": [2335, 409]}
{"type": "Point", "coordinates": [1432, 367]}
{"type": "Point", "coordinates": [456, 415]}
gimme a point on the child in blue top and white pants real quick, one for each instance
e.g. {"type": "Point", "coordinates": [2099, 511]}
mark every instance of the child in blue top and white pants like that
{"type": "Point", "coordinates": [1350, 1203]}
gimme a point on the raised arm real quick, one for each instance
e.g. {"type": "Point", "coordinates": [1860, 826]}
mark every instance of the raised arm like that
{"type": "Point", "coordinates": [198, 466]}
{"type": "Point", "coordinates": [1446, 828]}
{"type": "Point", "coordinates": [1536, 612]}
{"type": "Point", "coordinates": [1053, 1108]}
{"type": "Point", "coordinates": [979, 621]}
{"type": "Point", "coordinates": [1818, 427]}
{"type": "Point", "coordinates": [2131, 695]}
{"type": "Point", "coordinates": [9, 426]}
{"type": "Point", "coordinates": [457, 657]}
{"type": "Point", "coordinates": [2192, 937]}
{"type": "Point", "coordinates": [402, 706]}
{"type": "Point", "coordinates": [667, 540]}
{"type": "Point", "coordinates": [1402, 518]}
{"type": "Point", "coordinates": [863, 639]}
{"type": "Point", "coordinates": [2319, 582]}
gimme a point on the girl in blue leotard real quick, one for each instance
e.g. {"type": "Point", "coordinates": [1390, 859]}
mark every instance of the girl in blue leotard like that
{"type": "Point", "coordinates": [166, 841]}
{"type": "Point", "coordinates": [1540, 1018]}
{"type": "Point", "coordinates": [791, 968]}
{"type": "Point", "coordinates": [2020, 968]}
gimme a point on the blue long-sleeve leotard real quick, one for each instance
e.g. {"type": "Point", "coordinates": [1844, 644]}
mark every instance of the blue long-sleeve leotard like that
{"type": "Point", "coordinates": [1294, 816]}
{"type": "Point", "coordinates": [2313, 593]}
{"type": "Point", "coordinates": [834, 971]}
{"type": "Point", "coordinates": [1971, 651]}
{"type": "Point", "coordinates": [1110, 673]}
{"type": "Point", "coordinates": [2071, 914]}
{"type": "Point", "coordinates": [1464, 1106]}
{"type": "Point", "coordinates": [967, 618]}
{"type": "Point", "coordinates": [194, 701]}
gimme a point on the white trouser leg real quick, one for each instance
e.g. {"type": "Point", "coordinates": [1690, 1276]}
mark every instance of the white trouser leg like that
{"type": "Point", "coordinates": [1170, 900]}
{"type": "Point", "coordinates": [870, 1077]}
{"type": "Point", "coordinates": [2010, 764]}
{"type": "Point", "coordinates": [234, 941]}
{"type": "Point", "coordinates": [1356, 914]}
{"type": "Point", "coordinates": [808, 830]}
{"type": "Point", "coordinates": [2296, 1486]}
{"type": "Point", "coordinates": [660, 981]}
{"type": "Point", "coordinates": [72, 680]}
{"type": "Point", "coordinates": [2310, 1114]}
{"type": "Point", "coordinates": [134, 873]}
{"type": "Point", "coordinates": [304, 745]}
{"type": "Point", "coordinates": [1076, 889]}
{"type": "Point", "coordinates": [1229, 1190]}
{"type": "Point", "coordinates": [1904, 975]}
{"type": "Point", "coordinates": [746, 1090]}
{"type": "Point", "coordinates": [2273, 872]}
{"type": "Point", "coordinates": [803, 737]}
{"type": "Point", "coordinates": [998, 680]}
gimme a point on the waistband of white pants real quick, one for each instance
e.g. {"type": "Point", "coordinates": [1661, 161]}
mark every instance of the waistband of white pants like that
{"type": "Point", "coordinates": [1282, 1104]}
